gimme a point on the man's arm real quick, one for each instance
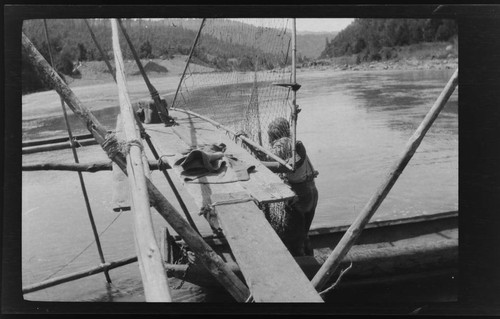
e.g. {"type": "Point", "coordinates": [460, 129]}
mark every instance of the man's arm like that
{"type": "Point", "coordinates": [276, 167]}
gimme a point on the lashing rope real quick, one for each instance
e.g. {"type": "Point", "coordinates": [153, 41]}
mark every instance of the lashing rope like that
{"type": "Point", "coordinates": [209, 208]}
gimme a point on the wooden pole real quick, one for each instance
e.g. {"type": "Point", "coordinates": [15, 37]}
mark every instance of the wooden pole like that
{"type": "Point", "coordinates": [162, 111]}
{"type": "Point", "coordinates": [45, 141]}
{"type": "Point", "coordinates": [241, 137]}
{"type": "Point", "coordinates": [77, 275]}
{"type": "Point", "coordinates": [91, 167]}
{"type": "Point", "coordinates": [155, 153]}
{"type": "Point", "coordinates": [207, 255]}
{"type": "Point", "coordinates": [354, 231]}
{"type": "Point", "coordinates": [80, 176]}
{"type": "Point", "coordinates": [294, 92]}
{"type": "Point", "coordinates": [153, 274]}
{"type": "Point", "coordinates": [58, 146]}
{"type": "Point", "coordinates": [101, 51]}
{"type": "Point", "coordinates": [256, 101]}
{"type": "Point", "coordinates": [188, 60]}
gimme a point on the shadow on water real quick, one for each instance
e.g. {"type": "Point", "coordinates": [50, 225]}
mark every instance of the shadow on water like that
{"type": "Point", "coordinates": [55, 126]}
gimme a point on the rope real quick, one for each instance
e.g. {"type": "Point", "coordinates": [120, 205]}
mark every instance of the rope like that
{"type": "Point", "coordinates": [80, 253]}
{"type": "Point", "coordinates": [209, 213]}
{"type": "Point", "coordinates": [342, 273]}
{"type": "Point", "coordinates": [131, 143]}
{"type": "Point", "coordinates": [112, 146]}
{"type": "Point", "coordinates": [209, 208]}
{"type": "Point", "coordinates": [161, 164]}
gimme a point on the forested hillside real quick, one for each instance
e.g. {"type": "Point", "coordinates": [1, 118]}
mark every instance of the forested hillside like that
{"type": "Point", "coordinates": [371, 39]}
{"type": "Point", "coordinates": [224, 44]}
{"type": "Point", "coordinates": [310, 45]}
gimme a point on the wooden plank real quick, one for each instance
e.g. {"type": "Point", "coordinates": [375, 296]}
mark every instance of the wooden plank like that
{"type": "Point", "coordinates": [271, 273]}
{"type": "Point", "coordinates": [192, 132]}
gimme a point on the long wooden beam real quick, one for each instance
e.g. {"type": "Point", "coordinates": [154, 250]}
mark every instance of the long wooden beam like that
{"type": "Point", "coordinates": [91, 167]}
{"type": "Point", "coordinates": [44, 141]}
{"type": "Point", "coordinates": [354, 231]}
{"type": "Point", "coordinates": [153, 275]}
{"type": "Point", "coordinates": [57, 146]}
{"type": "Point", "coordinates": [207, 255]}
{"type": "Point", "coordinates": [78, 275]}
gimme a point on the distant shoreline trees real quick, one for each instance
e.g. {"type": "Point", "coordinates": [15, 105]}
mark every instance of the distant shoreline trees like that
{"type": "Point", "coordinates": [370, 39]}
{"type": "Point", "coordinates": [71, 42]}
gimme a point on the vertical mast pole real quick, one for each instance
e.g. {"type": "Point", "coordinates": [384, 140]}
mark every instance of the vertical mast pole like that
{"type": "Point", "coordinates": [148, 140]}
{"type": "Point", "coordinates": [294, 92]}
{"type": "Point", "coordinates": [153, 273]}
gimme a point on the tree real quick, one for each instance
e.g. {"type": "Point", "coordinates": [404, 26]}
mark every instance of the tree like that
{"type": "Point", "coordinates": [145, 50]}
{"type": "Point", "coordinates": [64, 63]}
{"type": "Point", "coordinates": [446, 30]}
{"type": "Point", "coordinates": [82, 52]}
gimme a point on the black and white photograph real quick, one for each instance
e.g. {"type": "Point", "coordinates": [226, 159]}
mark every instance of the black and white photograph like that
{"type": "Point", "coordinates": [296, 159]}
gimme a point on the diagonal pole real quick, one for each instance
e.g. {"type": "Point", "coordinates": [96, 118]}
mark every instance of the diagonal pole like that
{"type": "Point", "coordinates": [352, 234]}
{"type": "Point", "coordinates": [188, 60]}
{"type": "Point", "coordinates": [80, 176]}
{"type": "Point", "coordinates": [160, 107]}
{"type": "Point", "coordinates": [101, 51]}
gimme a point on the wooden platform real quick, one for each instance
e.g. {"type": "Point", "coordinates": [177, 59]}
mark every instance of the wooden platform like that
{"type": "Point", "coordinates": [192, 132]}
{"type": "Point", "coordinates": [253, 242]}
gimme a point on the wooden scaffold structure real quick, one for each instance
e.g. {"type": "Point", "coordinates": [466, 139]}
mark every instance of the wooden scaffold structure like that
{"type": "Point", "coordinates": [270, 272]}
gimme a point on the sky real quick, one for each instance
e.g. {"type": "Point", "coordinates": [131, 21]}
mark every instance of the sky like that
{"type": "Point", "coordinates": [322, 25]}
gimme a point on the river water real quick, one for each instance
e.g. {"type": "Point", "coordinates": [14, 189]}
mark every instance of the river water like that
{"type": "Point", "coordinates": [354, 126]}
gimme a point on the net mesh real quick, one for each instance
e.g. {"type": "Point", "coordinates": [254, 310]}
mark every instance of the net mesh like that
{"type": "Point", "coordinates": [242, 93]}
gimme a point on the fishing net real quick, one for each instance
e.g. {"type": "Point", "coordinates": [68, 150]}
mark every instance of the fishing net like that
{"type": "Point", "coordinates": [252, 62]}
{"type": "Point", "coordinates": [247, 89]}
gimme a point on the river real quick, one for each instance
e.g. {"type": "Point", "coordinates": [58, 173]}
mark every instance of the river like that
{"type": "Point", "coordinates": [354, 126]}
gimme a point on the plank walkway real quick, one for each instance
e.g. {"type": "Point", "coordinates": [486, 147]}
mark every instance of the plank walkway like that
{"type": "Point", "coordinates": [269, 270]}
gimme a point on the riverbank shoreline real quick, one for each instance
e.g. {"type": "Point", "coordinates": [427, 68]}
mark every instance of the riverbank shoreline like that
{"type": "Point", "coordinates": [409, 64]}
{"type": "Point", "coordinates": [99, 92]}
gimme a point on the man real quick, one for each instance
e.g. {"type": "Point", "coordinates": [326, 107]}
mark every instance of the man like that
{"type": "Point", "coordinates": [300, 210]}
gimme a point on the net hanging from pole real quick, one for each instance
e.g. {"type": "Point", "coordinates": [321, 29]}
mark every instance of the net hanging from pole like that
{"type": "Point", "coordinates": [249, 57]}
